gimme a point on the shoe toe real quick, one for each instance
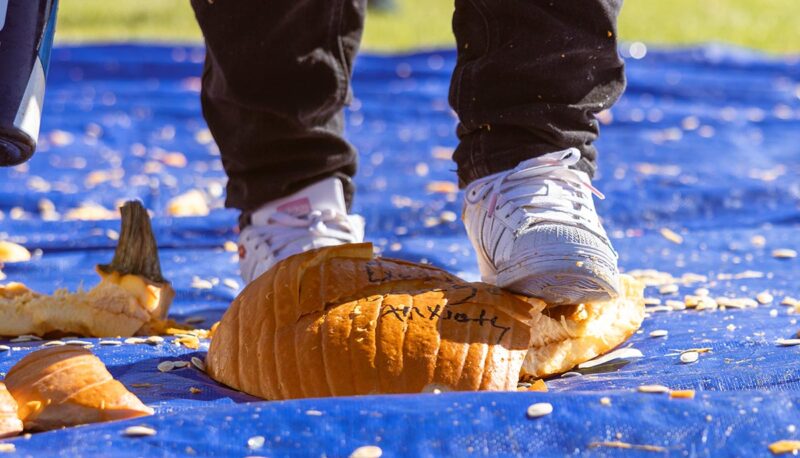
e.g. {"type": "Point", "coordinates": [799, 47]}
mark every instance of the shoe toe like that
{"type": "Point", "coordinates": [561, 264]}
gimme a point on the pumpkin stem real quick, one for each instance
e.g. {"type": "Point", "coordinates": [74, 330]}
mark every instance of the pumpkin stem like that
{"type": "Point", "coordinates": [137, 252]}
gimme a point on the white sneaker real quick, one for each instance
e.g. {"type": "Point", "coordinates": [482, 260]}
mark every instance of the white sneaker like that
{"type": "Point", "coordinates": [536, 232]}
{"type": "Point", "coordinates": [314, 217]}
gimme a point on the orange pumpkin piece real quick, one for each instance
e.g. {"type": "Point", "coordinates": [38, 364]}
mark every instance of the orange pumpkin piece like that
{"type": "Point", "coordinates": [131, 294]}
{"type": "Point", "coordinates": [10, 424]}
{"type": "Point", "coordinates": [67, 386]}
{"type": "Point", "coordinates": [337, 321]}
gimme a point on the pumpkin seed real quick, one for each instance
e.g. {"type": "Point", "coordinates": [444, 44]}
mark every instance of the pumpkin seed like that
{"type": "Point", "coordinates": [659, 333]}
{"type": "Point", "coordinates": [109, 342]}
{"type": "Point", "coordinates": [652, 301]}
{"type": "Point", "coordinates": [198, 363]}
{"type": "Point", "coordinates": [166, 366]}
{"type": "Point", "coordinates": [540, 409]}
{"type": "Point", "coordinates": [689, 357]}
{"type": "Point", "coordinates": [706, 303]}
{"type": "Point", "coordinates": [605, 401]}
{"type": "Point", "coordinates": [4, 348]}
{"type": "Point", "coordinates": [676, 305]}
{"type": "Point", "coordinates": [787, 342]}
{"type": "Point", "coordinates": [231, 283]}
{"type": "Point", "coordinates": [784, 253]}
{"type": "Point", "coordinates": [25, 338]}
{"type": "Point", "coordinates": [790, 302]}
{"type": "Point", "coordinates": [671, 235]}
{"type": "Point", "coordinates": [773, 313]}
{"type": "Point", "coordinates": [702, 292]}
{"type": "Point", "coordinates": [255, 442]}
{"type": "Point", "coordinates": [659, 389]}
{"type": "Point", "coordinates": [53, 343]}
{"type": "Point", "coordinates": [139, 431]}
{"type": "Point", "coordinates": [155, 340]}
{"type": "Point", "coordinates": [8, 448]}
{"type": "Point", "coordinates": [367, 451]}
{"type": "Point", "coordinates": [77, 342]}
{"type": "Point", "coordinates": [135, 340]}
{"type": "Point", "coordinates": [622, 353]}
{"type": "Point", "coordinates": [199, 283]}
{"type": "Point", "coordinates": [764, 298]}
{"type": "Point", "coordinates": [659, 308]}
{"type": "Point", "coordinates": [668, 289]}
{"type": "Point", "coordinates": [571, 374]}
{"type": "Point", "coordinates": [180, 364]}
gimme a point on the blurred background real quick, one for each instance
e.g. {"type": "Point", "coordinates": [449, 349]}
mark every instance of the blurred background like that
{"type": "Point", "coordinates": [395, 25]}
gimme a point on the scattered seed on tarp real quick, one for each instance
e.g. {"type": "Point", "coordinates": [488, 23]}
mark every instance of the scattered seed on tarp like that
{"type": "Point", "coordinates": [139, 431]}
{"type": "Point", "coordinates": [200, 283]}
{"type": "Point", "coordinates": [676, 305]}
{"type": "Point", "coordinates": [180, 364]}
{"type": "Point", "coordinates": [764, 298]}
{"type": "Point", "coordinates": [652, 301]}
{"type": "Point", "coordinates": [8, 448]}
{"type": "Point", "coordinates": [313, 413]}
{"type": "Point", "coordinates": [668, 289]}
{"type": "Point", "coordinates": [4, 348]}
{"type": "Point", "coordinates": [625, 445]}
{"type": "Point", "coordinates": [166, 366]}
{"type": "Point", "coordinates": [671, 235]}
{"type": "Point", "coordinates": [77, 342]}
{"type": "Point", "coordinates": [109, 343]}
{"type": "Point", "coordinates": [255, 442]}
{"type": "Point", "coordinates": [605, 401]}
{"type": "Point", "coordinates": [231, 283]}
{"type": "Point", "coordinates": [195, 390]}
{"type": "Point", "coordinates": [25, 338]}
{"type": "Point", "coordinates": [790, 302]}
{"type": "Point", "coordinates": [198, 363]}
{"type": "Point", "coordinates": [54, 343]}
{"type": "Point", "coordinates": [784, 253]}
{"type": "Point", "coordinates": [540, 409]}
{"type": "Point", "coordinates": [659, 333]}
{"type": "Point", "coordinates": [155, 340]}
{"type": "Point", "coordinates": [622, 353]}
{"type": "Point", "coordinates": [367, 451]}
{"type": "Point", "coordinates": [135, 340]}
{"type": "Point", "coordinates": [787, 342]}
{"type": "Point", "coordinates": [658, 389]}
{"type": "Point", "coordinates": [689, 357]}
{"type": "Point", "coordinates": [571, 374]}
{"type": "Point", "coordinates": [773, 313]}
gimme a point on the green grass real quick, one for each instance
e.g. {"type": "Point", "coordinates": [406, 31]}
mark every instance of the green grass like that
{"type": "Point", "coordinates": [769, 25]}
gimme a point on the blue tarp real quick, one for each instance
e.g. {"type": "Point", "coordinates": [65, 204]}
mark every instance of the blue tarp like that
{"type": "Point", "coordinates": [706, 142]}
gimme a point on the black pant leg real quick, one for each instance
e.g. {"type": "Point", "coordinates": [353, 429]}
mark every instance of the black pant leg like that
{"type": "Point", "coordinates": [530, 77]}
{"type": "Point", "coordinates": [276, 79]}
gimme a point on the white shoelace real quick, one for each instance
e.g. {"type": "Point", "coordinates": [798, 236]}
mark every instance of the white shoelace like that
{"type": "Point", "coordinates": [283, 229]}
{"type": "Point", "coordinates": [519, 187]}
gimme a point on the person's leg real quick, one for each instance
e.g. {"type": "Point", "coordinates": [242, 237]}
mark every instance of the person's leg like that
{"type": "Point", "coordinates": [531, 75]}
{"type": "Point", "coordinates": [276, 79]}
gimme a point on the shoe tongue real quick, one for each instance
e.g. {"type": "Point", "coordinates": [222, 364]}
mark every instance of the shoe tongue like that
{"type": "Point", "coordinates": [327, 194]}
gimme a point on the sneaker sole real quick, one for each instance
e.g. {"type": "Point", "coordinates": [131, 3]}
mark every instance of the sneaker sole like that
{"type": "Point", "coordinates": [559, 280]}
